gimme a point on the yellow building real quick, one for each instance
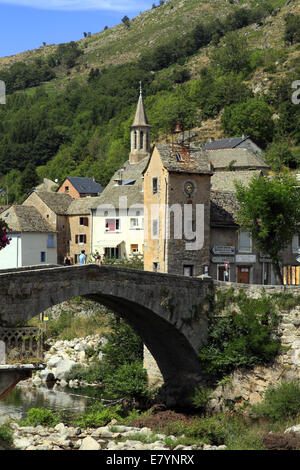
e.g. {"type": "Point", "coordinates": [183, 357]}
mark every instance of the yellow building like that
{"type": "Point", "coordinates": [177, 210]}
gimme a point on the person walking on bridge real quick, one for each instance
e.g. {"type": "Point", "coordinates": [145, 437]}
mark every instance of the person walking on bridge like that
{"type": "Point", "coordinates": [82, 257]}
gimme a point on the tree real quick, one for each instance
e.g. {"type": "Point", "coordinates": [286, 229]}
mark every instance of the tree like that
{"type": "Point", "coordinates": [253, 117]}
{"type": "Point", "coordinates": [292, 28]}
{"type": "Point", "coordinates": [126, 21]}
{"type": "Point", "coordinates": [270, 211]}
{"type": "Point", "coordinates": [234, 56]}
{"type": "Point", "coordinates": [29, 179]}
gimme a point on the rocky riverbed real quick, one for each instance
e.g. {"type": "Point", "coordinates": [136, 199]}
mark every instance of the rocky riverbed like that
{"type": "Point", "coordinates": [110, 437]}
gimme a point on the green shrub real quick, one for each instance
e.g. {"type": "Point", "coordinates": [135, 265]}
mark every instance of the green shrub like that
{"type": "Point", "coordinates": [40, 416]}
{"type": "Point", "coordinates": [129, 381]}
{"type": "Point", "coordinates": [6, 434]}
{"type": "Point", "coordinates": [98, 415]}
{"type": "Point", "coordinates": [280, 402]}
{"type": "Point", "coordinates": [199, 398]}
{"type": "Point", "coordinates": [123, 346]}
{"type": "Point", "coordinates": [242, 337]}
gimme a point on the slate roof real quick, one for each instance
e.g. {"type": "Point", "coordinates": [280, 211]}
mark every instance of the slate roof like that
{"type": "Point", "coordinates": [193, 160]}
{"type": "Point", "coordinates": [133, 192]}
{"type": "Point", "coordinates": [229, 143]}
{"type": "Point", "coordinates": [46, 185]}
{"type": "Point", "coordinates": [140, 118]}
{"type": "Point", "coordinates": [223, 206]}
{"type": "Point", "coordinates": [58, 203]}
{"type": "Point", "coordinates": [25, 219]}
{"type": "Point", "coordinates": [238, 158]}
{"type": "Point", "coordinates": [83, 206]}
{"type": "Point", "coordinates": [85, 185]}
{"type": "Point", "coordinates": [224, 180]}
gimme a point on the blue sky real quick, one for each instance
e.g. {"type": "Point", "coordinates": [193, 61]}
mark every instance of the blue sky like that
{"type": "Point", "coordinates": [26, 24]}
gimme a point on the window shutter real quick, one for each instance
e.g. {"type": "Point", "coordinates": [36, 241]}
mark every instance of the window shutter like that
{"type": "Point", "coordinates": [86, 221]}
{"type": "Point", "coordinates": [84, 237]}
{"type": "Point", "coordinates": [295, 244]}
{"type": "Point", "coordinates": [76, 238]}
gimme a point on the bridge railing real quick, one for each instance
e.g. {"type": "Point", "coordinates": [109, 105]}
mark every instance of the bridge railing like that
{"type": "Point", "coordinates": [21, 345]}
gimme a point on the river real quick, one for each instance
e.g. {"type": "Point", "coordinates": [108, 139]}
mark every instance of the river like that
{"type": "Point", "coordinates": [19, 400]}
{"type": "Point", "coordinates": [23, 397]}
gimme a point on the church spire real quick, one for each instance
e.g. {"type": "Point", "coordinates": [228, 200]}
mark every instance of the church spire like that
{"type": "Point", "coordinates": [140, 118]}
{"type": "Point", "coordinates": [140, 133]}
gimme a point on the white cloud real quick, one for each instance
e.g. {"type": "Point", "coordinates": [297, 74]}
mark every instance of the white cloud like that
{"type": "Point", "coordinates": [77, 5]}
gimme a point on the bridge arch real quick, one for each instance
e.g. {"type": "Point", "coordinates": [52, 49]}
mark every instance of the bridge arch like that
{"type": "Point", "coordinates": [166, 311]}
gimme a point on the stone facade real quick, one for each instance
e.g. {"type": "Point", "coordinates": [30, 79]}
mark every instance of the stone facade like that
{"type": "Point", "coordinates": [169, 191]}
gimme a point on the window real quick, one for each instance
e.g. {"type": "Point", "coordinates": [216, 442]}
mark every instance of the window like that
{"type": "Point", "coordinates": [178, 157]}
{"type": "Point", "coordinates": [188, 270]}
{"type": "Point", "coordinates": [142, 140]}
{"type": "Point", "coordinates": [245, 242]}
{"type": "Point", "coordinates": [134, 223]}
{"type": "Point", "coordinates": [134, 248]}
{"type": "Point", "coordinates": [135, 139]}
{"type": "Point", "coordinates": [84, 221]}
{"type": "Point", "coordinates": [80, 239]}
{"type": "Point", "coordinates": [154, 185]}
{"type": "Point", "coordinates": [155, 267]}
{"type": "Point", "coordinates": [111, 225]}
{"type": "Point", "coordinates": [112, 252]}
{"type": "Point", "coordinates": [51, 241]}
{"type": "Point", "coordinates": [295, 243]}
{"type": "Point", "coordinates": [155, 227]}
{"type": "Point", "coordinates": [67, 189]}
{"type": "Point", "coordinates": [43, 256]}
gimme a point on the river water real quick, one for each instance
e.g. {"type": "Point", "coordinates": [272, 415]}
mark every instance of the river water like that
{"type": "Point", "coordinates": [19, 400]}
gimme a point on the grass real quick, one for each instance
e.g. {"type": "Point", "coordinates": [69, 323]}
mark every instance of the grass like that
{"type": "Point", "coordinates": [69, 325]}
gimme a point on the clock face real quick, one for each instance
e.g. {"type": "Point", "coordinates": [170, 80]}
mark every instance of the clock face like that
{"type": "Point", "coordinates": [189, 188]}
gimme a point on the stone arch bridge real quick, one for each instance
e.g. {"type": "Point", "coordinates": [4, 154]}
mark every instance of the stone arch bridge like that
{"type": "Point", "coordinates": [169, 312]}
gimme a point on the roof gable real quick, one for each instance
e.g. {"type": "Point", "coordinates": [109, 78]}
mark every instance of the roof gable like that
{"type": "Point", "coordinates": [85, 185]}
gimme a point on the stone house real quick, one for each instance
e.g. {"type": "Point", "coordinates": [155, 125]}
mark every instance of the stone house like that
{"type": "Point", "coordinates": [53, 208]}
{"type": "Point", "coordinates": [78, 187]}
{"type": "Point", "coordinates": [176, 199]}
{"type": "Point", "coordinates": [33, 240]}
{"type": "Point", "coordinates": [233, 254]}
{"type": "Point", "coordinates": [233, 143]}
{"type": "Point", "coordinates": [79, 215]}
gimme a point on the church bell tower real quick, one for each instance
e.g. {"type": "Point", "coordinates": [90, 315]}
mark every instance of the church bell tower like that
{"type": "Point", "coordinates": [140, 133]}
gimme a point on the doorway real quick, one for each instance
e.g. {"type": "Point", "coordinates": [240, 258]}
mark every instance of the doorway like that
{"type": "Point", "coordinates": [243, 274]}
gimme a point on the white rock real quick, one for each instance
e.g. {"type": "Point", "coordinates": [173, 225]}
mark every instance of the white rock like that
{"type": "Point", "coordinates": [22, 443]}
{"type": "Point", "coordinates": [54, 361]}
{"type": "Point", "coordinates": [89, 443]}
{"type": "Point", "coordinates": [295, 429]}
{"type": "Point", "coordinates": [63, 367]}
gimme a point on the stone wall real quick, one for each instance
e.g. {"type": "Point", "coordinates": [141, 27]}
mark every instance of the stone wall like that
{"type": "Point", "coordinates": [250, 386]}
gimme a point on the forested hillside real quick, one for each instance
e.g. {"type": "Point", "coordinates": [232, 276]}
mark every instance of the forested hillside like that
{"type": "Point", "coordinates": [222, 68]}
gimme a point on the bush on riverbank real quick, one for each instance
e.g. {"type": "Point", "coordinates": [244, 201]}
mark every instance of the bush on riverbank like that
{"type": "Point", "coordinates": [280, 402]}
{"type": "Point", "coordinates": [243, 335]}
{"type": "Point", "coordinates": [120, 370]}
{"type": "Point", "coordinates": [6, 434]}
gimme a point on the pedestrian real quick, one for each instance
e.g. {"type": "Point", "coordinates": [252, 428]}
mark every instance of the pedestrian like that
{"type": "Point", "coordinates": [99, 260]}
{"type": "Point", "coordinates": [68, 260]}
{"type": "Point", "coordinates": [82, 257]}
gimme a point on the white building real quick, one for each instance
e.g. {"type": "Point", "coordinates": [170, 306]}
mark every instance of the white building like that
{"type": "Point", "coordinates": [118, 220]}
{"type": "Point", "coordinates": [33, 241]}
